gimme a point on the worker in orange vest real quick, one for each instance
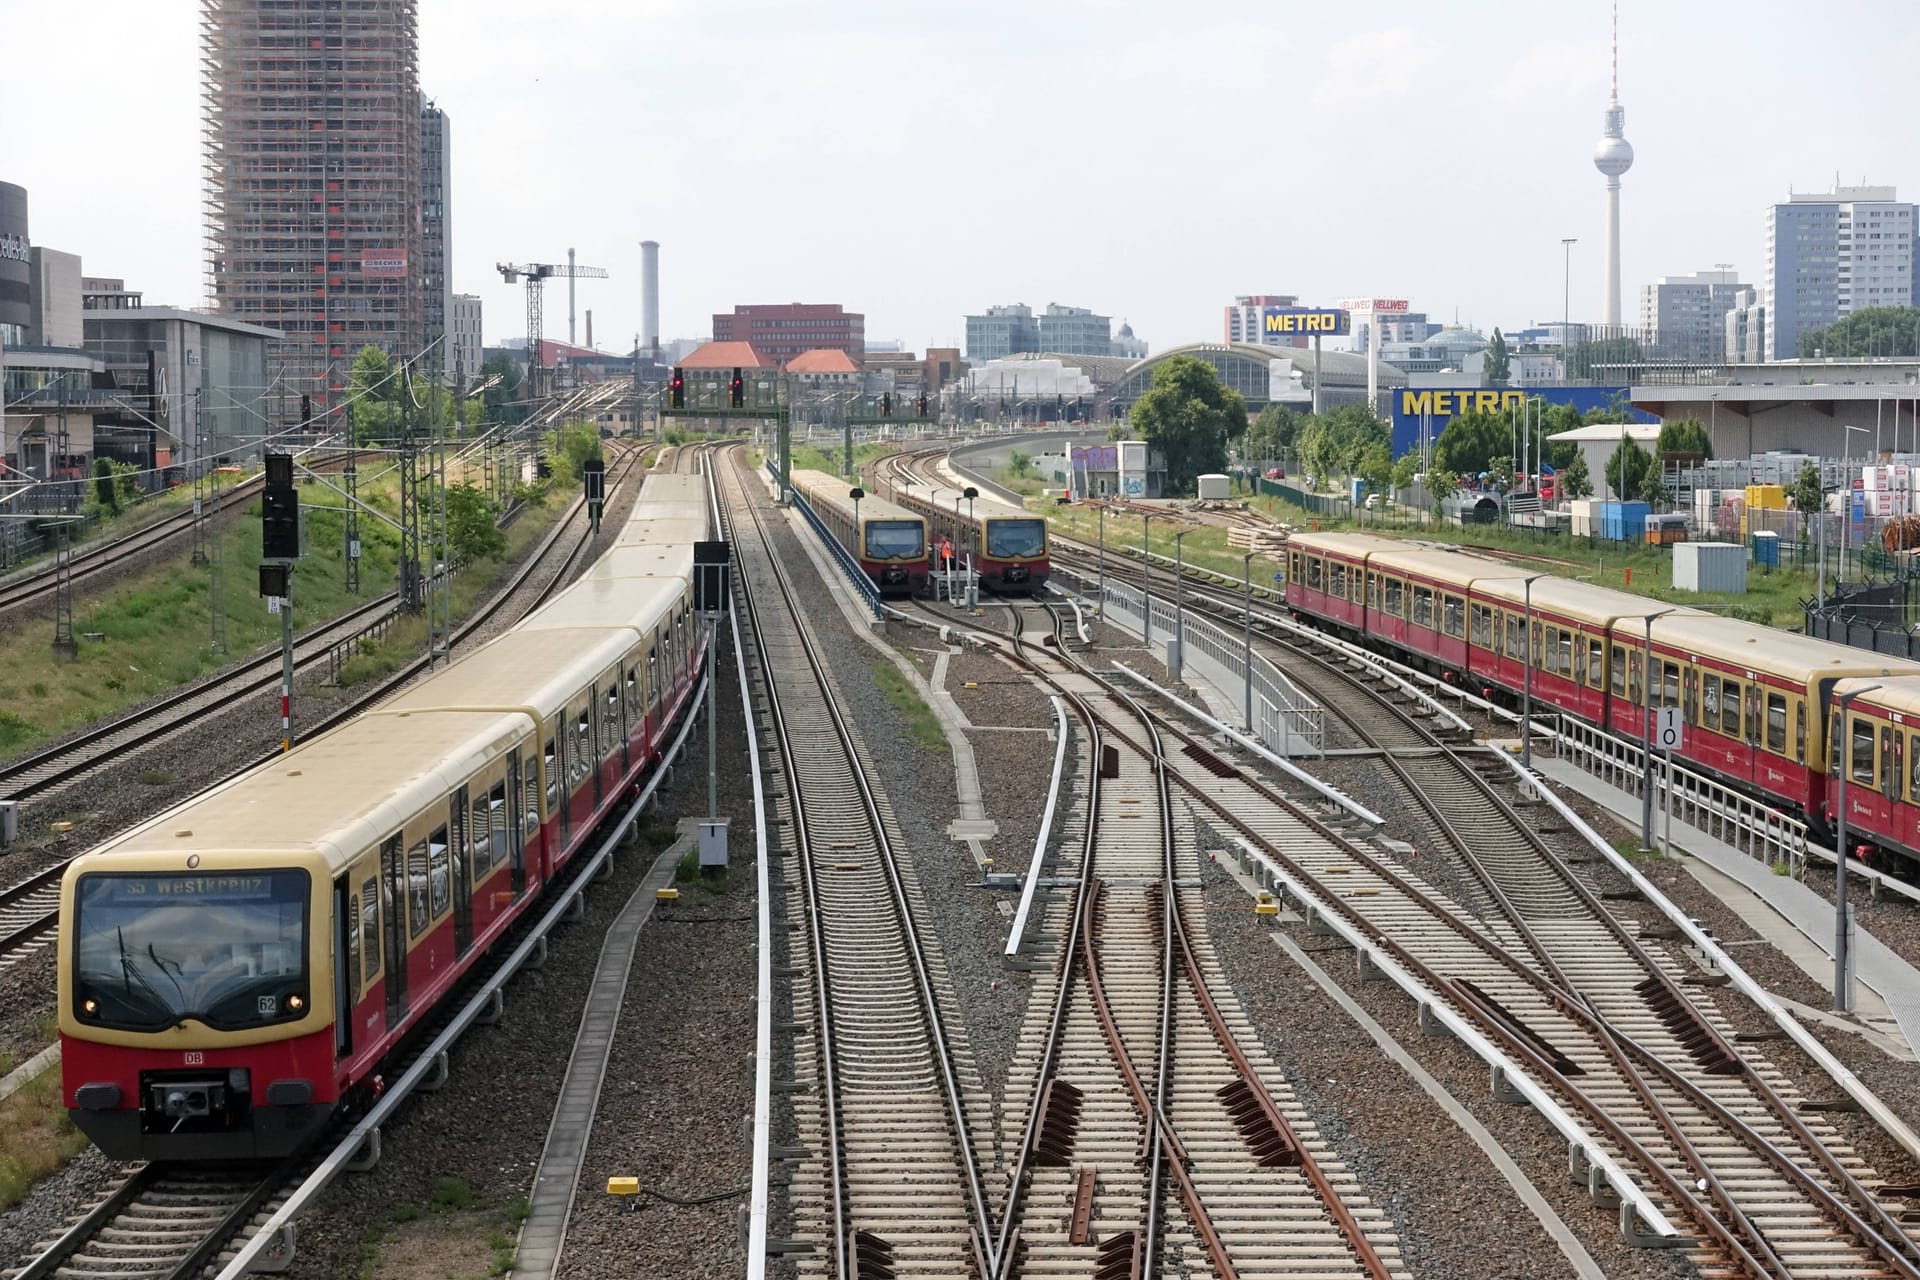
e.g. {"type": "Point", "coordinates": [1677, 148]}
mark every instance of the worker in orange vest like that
{"type": "Point", "coordinates": [946, 550]}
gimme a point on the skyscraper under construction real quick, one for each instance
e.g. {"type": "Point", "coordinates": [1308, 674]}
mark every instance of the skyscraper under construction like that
{"type": "Point", "coordinates": [312, 174]}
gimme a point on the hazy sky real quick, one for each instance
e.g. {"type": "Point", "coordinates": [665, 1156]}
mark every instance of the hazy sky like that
{"type": "Point", "coordinates": [916, 161]}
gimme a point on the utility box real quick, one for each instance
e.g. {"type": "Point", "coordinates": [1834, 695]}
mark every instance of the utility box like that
{"type": "Point", "coordinates": [1215, 487]}
{"type": "Point", "coordinates": [713, 844]}
{"type": "Point", "coordinates": [9, 823]}
{"type": "Point", "coordinates": [1710, 566]}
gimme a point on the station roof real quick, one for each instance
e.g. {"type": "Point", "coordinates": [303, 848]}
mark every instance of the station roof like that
{"type": "Point", "coordinates": [824, 360]}
{"type": "Point", "coordinates": [725, 355]}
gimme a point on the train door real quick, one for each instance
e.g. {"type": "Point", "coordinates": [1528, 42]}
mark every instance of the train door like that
{"type": "Point", "coordinates": [516, 842]}
{"type": "Point", "coordinates": [346, 964]}
{"type": "Point", "coordinates": [459, 837]}
{"type": "Point", "coordinates": [393, 897]}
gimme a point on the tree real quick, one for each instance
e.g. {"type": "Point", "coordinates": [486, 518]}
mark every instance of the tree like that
{"type": "Point", "coordinates": [1870, 331]}
{"type": "Point", "coordinates": [1653, 489]}
{"type": "Point", "coordinates": [1498, 366]}
{"type": "Point", "coordinates": [1405, 470]}
{"type": "Point", "coordinates": [373, 395]}
{"type": "Point", "coordinates": [1333, 443]}
{"type": "Point", "coordinates": [1273, 433]}
{"type": "Point", "coordinates": [1472, 441]}
{"type": "Point", "coordinates": [1633, 459]}
{"type": "Point", "coordinates": [1808, 493]}
{"type": "Point", "coordinates": [1574, 482]}
{"type": "Point", "coordinates": [1500, 476]}
{"type": "Point", "coordinates": [1683, 435]}
{"type": "Point", "coordinates": [1376, 467]}
{"type": "Point", "coordinates": [470, 526]}
{"type": "Point", "coordinates": [1442, 484]}
{"type": "Point", "coordinates": [1188, 414]}
{"type": "Point", "coordinates": [105, 492]}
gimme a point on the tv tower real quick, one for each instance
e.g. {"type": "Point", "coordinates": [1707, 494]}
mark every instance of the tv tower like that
{"type": "Point", "coordinates": [1613, 156]}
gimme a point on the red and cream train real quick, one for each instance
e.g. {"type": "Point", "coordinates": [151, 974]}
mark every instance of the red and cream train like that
{"type": "Point", "coordinates": [1759, 703]}
{"type": "Point", "coordinates": [232, 970]}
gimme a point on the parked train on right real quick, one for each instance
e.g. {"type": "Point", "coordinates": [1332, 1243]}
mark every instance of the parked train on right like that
{"type": "Point", "coordinates": [889, 541]}
{"type": "Point", "coordinates": [1759, 703]}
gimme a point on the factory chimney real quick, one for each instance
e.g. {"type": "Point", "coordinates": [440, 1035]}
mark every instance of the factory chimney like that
{"type": "Point", "coordinates": [650, 299]}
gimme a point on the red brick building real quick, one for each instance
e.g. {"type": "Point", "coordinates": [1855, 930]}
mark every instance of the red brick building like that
{"type": "Point", "coordinates": [782, 331]}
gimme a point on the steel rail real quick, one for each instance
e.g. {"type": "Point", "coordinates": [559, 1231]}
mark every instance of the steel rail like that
{"type": "Point", "coordinates": [982, 1231]}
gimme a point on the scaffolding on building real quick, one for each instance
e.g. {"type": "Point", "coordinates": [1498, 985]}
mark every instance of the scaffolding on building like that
{"type": "Point", "coordinates": [311, 169]}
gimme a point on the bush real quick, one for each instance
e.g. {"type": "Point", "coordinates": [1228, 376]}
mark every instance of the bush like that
{"type": "Point", "coordinates": [470, 525]}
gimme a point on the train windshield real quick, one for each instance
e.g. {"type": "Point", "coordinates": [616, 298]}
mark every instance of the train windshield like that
{"type": "Point", "coordinates": [1007, 539]}
{"type": "Point", "coordinates": [229, 950]}
{"type": "Point", "coordinates": [895, 539]}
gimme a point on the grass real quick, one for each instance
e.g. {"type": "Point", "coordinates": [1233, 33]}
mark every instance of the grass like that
{"type": "Point", "coordinates": [922, 725]}
{"type": "Point", "coordinates": [1205, 546]}
{"type": "Point", "coordinates": [452, 1193]}
{"type": "Point", "coordinates": [154, 777]}
{"type": "Point", "coordinates": [808, 457]}
{"type": "Point", "coordinates": [36, 1137]}
{"type": "Point", "coordinates": [156, 629]}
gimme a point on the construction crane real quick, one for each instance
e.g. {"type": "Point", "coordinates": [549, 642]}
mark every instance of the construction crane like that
{"type": "Point", "coordinates": [537, 274]}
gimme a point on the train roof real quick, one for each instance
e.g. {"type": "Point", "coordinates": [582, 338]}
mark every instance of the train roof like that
{"type": "Point", "coordinates": [663, 531]}
{"type": "Point", "coordinates": [1599, 606]}
{"type": "Point", "coordinates": [822, 489]}
{"type": "Point", "coordinates": [667, 509]}
{"type": "Point", "coordinates": [674, 486]}
{"type": "Point", "coordinates": [643, 560]}
{"type": "Point", "coordinates": [1358, 545]}
{"type": "Point", "coordinates": [338, 794]}
{"type": "Point", "coordinates": [1754, 647]}
{"type": "Point", "coordinates": [1897, 693]}
{"type": "Point", "coordinates": [533, 671]}
{"type": "Point", "coordinates": [636, 603]}
{"type": "Point", "coordinates": [1450, 568]}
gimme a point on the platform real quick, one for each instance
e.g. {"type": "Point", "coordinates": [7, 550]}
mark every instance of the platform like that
{"type": "Point", "coordinates": [1893, 984]}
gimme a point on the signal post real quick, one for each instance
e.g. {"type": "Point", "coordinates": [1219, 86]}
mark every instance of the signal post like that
{"type": "Point", "coordinates": [279, 548]}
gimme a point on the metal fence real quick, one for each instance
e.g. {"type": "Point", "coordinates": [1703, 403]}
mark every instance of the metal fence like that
{"type": "Point", "coordinates": [1284, 719]}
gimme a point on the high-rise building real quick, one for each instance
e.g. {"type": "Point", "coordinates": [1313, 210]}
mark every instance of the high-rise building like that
{"type": "Point", "coordinates": [1075, 331]}
{"type": "Point", "coordinates": [311, 153]}
{"type": "Point", "coordinates": [1002, 331]}
{"type": "Point", "coordinates": [782, 331]}
{"type": "Point", "coordinates": [16, 267]}
{"type": "Point", "coordinates": [1243, 321]}
{"type": "Point", "coordinates": [1746, 328]}
{"type": "Point", "coordinates": [466, 352]}
{"type": "Point", "coordinates": [1613, 156]}
{"type": "Point", "coordinates": [436, 227]}
{"type": "Point", "coordinates": [1686, 316]}
{"type": "Point", "coordinates": [1831, 254]}
{"type": "Point", "coordinates": [56, 298]}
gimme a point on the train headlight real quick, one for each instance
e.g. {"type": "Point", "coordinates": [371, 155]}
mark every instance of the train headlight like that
{"type": "Point", "coordinates": [90, 1006]}
{"type": "Point", "coordinates": [296, 1003]}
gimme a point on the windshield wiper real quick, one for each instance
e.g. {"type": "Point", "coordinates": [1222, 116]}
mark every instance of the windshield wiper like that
{"type": "Point", "coordinates": [130, 973]}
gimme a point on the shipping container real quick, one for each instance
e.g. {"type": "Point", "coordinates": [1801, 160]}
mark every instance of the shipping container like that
{"type": "Point", "coordinates": [1772, 496]}
{"type": "Point", "coordinates": [1215, 487]}
{"type": "Point", "coordinates": [1710, 566]}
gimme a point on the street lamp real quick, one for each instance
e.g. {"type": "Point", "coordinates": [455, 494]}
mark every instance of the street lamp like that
{"type": "Point", "coordinates": [1246, 629]}
{"type": "Point", "coordinates": [970, 494]}
{"type": "Point", "coordinates": [1526, 680]}
{"type": "Point", "coordinates": [1646, 742]}
{"type": "Point", "coordinates": [1146, 578]}
{"type": "Point", "coordinates": [1846, 476]}
{"type": "Point", "coordinates": [1842, 952]}
{"type": "Point", "coordinates": [1179, 609]}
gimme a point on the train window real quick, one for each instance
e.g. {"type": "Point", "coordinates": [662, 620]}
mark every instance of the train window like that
{"type": "Point", "coordinates": [1861, 752]}
{"type": "Point", "coordinates": [530, 820]}
{"type": "Point", "coordinates": [1633, 678]}
{"type": "Point", "coordinates": [1337, 580]}
{"type": "Point", "coordinates": [1313, 573]}
{"type": "Point", "coordinates": [1454, 617]}
{"type": "Point", "coordinates": [1669, 684]}
{"type": "Point", "coordinates": [1596, 663]}
{"type": "Point", "coordinates": [1889, 762]}
{"type": "Point", "coordinates": [482, 837]}
{"type": "Point", "coordinates": [353, 947]}
{"type": "Point", "coordinates": [1513, 634]}
{"type": "Point", "coordinates": [1833, 745]}
{"type": "Point", "coordinates": [417, 915]}
{"type": "Point", "coordinates": [1730, 710]}
{"type": "Point", "coordinates": [370, 929]}
{"type": "Point", "coordinates": [1565, 648]}
{"type": "Point", "coordinates": [1373, 591]}
{"type": "Point", "coordinates": [439, 872]}
{"type": "Point", "coordinates": [1619, 672]}
{"type": "Point", "coordinates": [582, 754]}
{"type": "Point", "coordinates": [497, 819]}
{"type": "Point", "coordinates": [1777, 723]}
{"type": "Point", "coordinates": [1913, 764]}
{"type": "Point", "coordinates": [1423, 606]}
{"type": "Point", "coordinates": [653, 677]}
{"type": "Point", "coordinates": [1800, 730]}
{"type": "Point", "coordinates": [611, 721]}
{"type": "Point", "coordinates": [1396, 598]}
{"type": "Point", "coordinates": [1710, 701]}
{"type": "Point", "coordinates": [1535, 649]}
{"type": "Point", "coordinates": [633, 696]}
{"type": "Point", "coordinates": [1482, 626]}
{"type": "Point", "coordinates": [553, 778]}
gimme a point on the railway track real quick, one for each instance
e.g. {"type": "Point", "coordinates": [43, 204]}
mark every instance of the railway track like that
{"type": "Point", "coordinates": [29, 908]}
{"type": "Point", "coordinates": [1718, 1135]}
{"type": "Point", "coordinates": [1130, 1033]}
{"type": "Point", "coordinates": [890, 1184]}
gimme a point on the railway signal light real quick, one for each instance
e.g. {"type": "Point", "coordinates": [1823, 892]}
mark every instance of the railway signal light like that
{"type": "Point", "coordinates": [678, 389]}
{"type": "Point", "coordinates": [736, 392]}
{"type": "Point", "coordinates": [306, 410]}
{"type": "Point", "coordinates": [280, 511]}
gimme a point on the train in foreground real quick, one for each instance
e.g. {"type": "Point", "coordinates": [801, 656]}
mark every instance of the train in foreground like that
{"type": "Point", "coordinates": [889, 541]}
{"type": "Point", "coordinates": [1759, 704]}
{"type": "Point", "coordinates": [235, 970]}
{"type": "Point", "coordinates": [1008, 546]}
